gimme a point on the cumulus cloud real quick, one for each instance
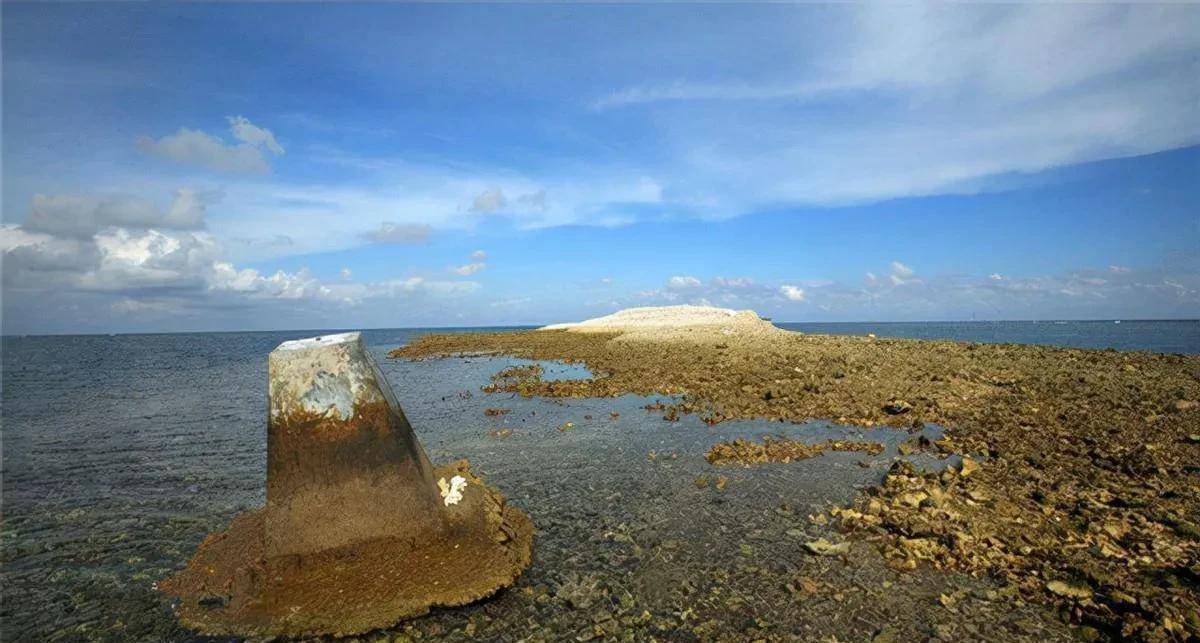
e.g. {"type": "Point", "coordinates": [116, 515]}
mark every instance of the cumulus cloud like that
{"type": "Point", "coordinates": [733, 282]}
{"type": "Point", "coordinates": [137, 307]}
{"type": "Point", "coordinates": [82, 217]}
{"type": "Point", "coordinates": [791, 293]}
{"type": "Point", "coordinates": [389, 232]}
{"type": "Point", "coordinates": [901, 270]}
{"type": "Point", "coordinates": [469, 269]}
{"type": "Point", "coordinates": [533, 200]}
{"type": "Point", "coordinates": [488, 201]}
{"type": "Point", "coordinates": [161, 261]}
{"type": "Point", "coordinates": [197, 148]}
{"type": "Point", "coordinates": [36, 259]}
{"type": "Point", "coordinates": [733, 292]}
{"type": "Point", "coordinates": [901, 274]}
{"type": "Point", "coordinates": [496, 200]}
{"type": "Point", "coordinates": [683, 282]}
{"type": "Point", "coordinates": [107, 244]}
{"type": "Point", "coordinates": [251, 134]}
{"type": "Point", "coordinates": [1079, 294]}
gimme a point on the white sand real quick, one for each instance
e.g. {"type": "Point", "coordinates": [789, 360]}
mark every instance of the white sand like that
{"type": "Point", "coordinates": [659, 321]}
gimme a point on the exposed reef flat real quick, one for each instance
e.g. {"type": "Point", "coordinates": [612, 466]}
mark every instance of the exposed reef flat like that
{"type": "Point", "coordinates": [747, 453]}
{"type": "Point", "coordinates": [1081, 482]}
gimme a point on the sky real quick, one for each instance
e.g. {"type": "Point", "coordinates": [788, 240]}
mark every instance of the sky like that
{"type": "Point", "coordinates": [276, 166]}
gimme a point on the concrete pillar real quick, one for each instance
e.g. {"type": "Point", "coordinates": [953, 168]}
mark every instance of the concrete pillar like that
{"type": "Point", "coordinates": [359, 530]}
{"type": "Point", "coordinates": [343, 464]}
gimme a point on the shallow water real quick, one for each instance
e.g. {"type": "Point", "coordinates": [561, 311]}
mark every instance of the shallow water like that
{"type": "Point", "coordinates": [122, 453]}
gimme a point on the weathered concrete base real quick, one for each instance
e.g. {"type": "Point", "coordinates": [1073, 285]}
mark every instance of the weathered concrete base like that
{"type": "Point", "coordinates": [230, 587]}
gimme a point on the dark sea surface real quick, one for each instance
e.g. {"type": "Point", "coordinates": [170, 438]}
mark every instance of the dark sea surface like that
{"type": "Point", "coordinates": [120, 453]}
{"type": "Point", "coordinates": [1160, 336]}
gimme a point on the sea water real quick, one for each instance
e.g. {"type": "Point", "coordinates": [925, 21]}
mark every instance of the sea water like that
{"type": "Point", "coordinates": [120, 453]}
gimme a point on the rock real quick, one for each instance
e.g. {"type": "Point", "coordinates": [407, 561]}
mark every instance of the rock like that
{"type": "Point", "coordinates": [969, 467]}
{"type": "Point", "coordinates": [822, 547]}
{"type": "Point", "coordinates": [1069, 590]}
{"type": "Point", "coordinates": [897, 407]}
{"type": "Point", "coordinates": [360, 530]}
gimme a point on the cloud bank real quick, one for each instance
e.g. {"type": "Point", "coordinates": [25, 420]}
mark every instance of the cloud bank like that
{"type": "Point", "coordinates": [196, 148]}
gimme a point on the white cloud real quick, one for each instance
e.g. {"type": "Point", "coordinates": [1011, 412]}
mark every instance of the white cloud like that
{"type": "Point", "coordinates": [792, 293]}
{"type": "Point", "coordinates": [495, 200]}
{"type": "Point", "coordinates": [82, 217]}
{"type": "Point", "coordinates": [507, 303]}
{"type": "Point", "coordinates": [161, 270]}
{"type": "Point", "coordinates": [995, 276]}
{"type": "Point", "coordinates": [247, 132]}
{"type": "Point", "coordinates": [683, 282]}
{"type": "Point", "coordinates": [1081, 294]}
{"type": "Point", "coordinates": [733, 282]}
{"type": "Point", "coordinates": [323, 218]}
{"type": "Point", "coordinates": [488, 201]}
{"type": "Point", "coordinates": [193, 147]}
{"type": "Point", "coordinates": [901, 274]}
{"type": "Point", "coordinates": [945, 99]}
{"type": "Point", "coordinates": [469, 269]}
{"type": "Point", "coordinates": [532, 201]}
{"type": "Point", "coordinates": [40, 260]}
{"type": "Point", "coordinates": [389, 232]}
{"type": "Point", "coordinates": [901, 270]}
{"type": "Point", "coordinates": [137, 307]}
{"type": "Point", "coordinates": [479, 255]}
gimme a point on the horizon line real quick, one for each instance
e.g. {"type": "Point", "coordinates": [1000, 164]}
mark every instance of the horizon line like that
{"type": "Point", "coordinates": [532, 326]}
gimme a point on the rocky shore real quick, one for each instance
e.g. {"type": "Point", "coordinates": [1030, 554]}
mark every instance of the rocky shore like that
{"type": "Point", "coordinates": [1079, 484]}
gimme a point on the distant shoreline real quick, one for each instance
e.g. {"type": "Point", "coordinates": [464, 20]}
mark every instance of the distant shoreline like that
{"type": "Point", "coordinates": [1181, 336]}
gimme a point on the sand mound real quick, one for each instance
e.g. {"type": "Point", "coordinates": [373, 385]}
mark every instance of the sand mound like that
{"type": "Point", "coordinates": [658, 322]}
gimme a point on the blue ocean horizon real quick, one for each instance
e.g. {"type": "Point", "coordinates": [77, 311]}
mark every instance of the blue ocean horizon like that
{"type": "Point", "coordinates": [121, 452]}
{"type": "Point", "coordinates": [1178, 336]}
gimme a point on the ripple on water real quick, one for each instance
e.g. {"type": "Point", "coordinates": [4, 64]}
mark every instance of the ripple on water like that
{"type": "Point", "coordinates": [104, 498]}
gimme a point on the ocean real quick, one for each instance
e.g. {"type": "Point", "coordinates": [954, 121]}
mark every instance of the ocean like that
{"type": "Point", "coordinates": [1159, 336]}
{"type": "Point", "coordinates": [120, 453]}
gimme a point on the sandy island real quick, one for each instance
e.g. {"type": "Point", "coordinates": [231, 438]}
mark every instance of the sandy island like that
{"type": "Point", "coordinates": [1083, 490]}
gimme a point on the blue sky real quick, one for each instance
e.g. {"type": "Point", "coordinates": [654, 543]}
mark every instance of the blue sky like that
{"type": "Point", "coordinates": [209, 167]}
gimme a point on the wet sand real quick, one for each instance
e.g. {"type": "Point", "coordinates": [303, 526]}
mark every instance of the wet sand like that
{"type": "Point", "coordinates": [1079, 495]}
